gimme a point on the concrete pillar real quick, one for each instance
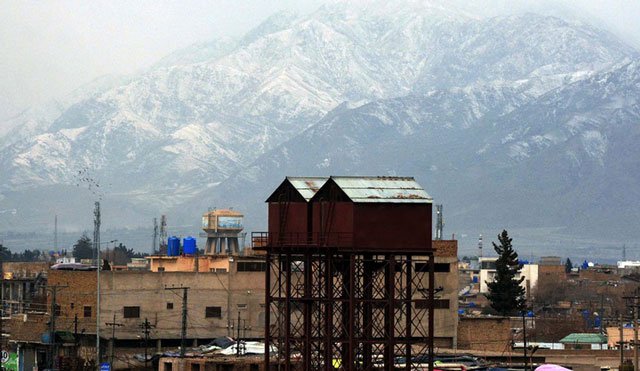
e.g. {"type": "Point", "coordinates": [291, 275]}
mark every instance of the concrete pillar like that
{"type": "Point", "coordinates": [159, 346]}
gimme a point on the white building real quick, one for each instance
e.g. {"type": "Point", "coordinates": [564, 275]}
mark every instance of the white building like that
{"type": "Point", "coordinates": [628, 264]}
{"type": "Point", "coordinates": [488, 274]}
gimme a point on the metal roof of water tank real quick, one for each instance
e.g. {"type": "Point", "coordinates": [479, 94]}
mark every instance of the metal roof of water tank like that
{"type": "Point", "coordinates": [382, 189]}
{"type": "Point", "coordinates": [305, 186]}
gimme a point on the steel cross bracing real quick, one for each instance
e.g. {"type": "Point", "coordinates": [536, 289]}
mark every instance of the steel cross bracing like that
{"type": "Point", "coordinates": [354, 311]}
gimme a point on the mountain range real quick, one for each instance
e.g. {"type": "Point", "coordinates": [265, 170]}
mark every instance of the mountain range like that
{"type": "Point", "coordinates": [517, 121]}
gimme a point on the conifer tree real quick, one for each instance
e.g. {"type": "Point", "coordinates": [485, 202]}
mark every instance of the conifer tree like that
{"type": "Point", "coordinates": [568, 265]}
{"type": "Point", "coordinates": [506, 294]}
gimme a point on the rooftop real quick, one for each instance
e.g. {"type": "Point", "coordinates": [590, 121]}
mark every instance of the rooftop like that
{"type": "Point", "coordinates": [382, 189]}
{"type": "Point", "coordinates": [584, 338]}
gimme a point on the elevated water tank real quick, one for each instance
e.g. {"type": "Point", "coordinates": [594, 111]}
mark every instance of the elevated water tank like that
{"type": "Point", "coordinates": [189, 246]}
{"type": "Point", "coordinates": [222, 221]}
{"type": "Point", "coordinates": [173, 246]}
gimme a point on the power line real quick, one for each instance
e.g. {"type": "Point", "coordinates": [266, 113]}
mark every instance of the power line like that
{"type": "Point", "coordinates": [113, 325]}
{"type": "Point", "coordinates": [183, 334]}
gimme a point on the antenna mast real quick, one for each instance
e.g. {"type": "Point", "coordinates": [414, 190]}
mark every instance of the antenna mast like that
{"type": "Point", "coordinates": [155, 236]}
{"type": "Point", "coordinates": [55, 233]}
{"type": "Point", "coordinates": [439, 222]}
{"type": "Point", "coordinates": [480, 245]}
{"type": "Point", "coordinates": [163, 234]}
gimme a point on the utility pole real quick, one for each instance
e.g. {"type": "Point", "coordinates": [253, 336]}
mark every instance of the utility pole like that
{"type": "Point", "coordinates": [75, 334]}
{"type": "Point", "coordinates": [524, 337]}
{"type": "Point", "coordinates": [621, 342]}
{"type": "Point", "coordinates": [1, 305]}
{"type": "Point", "coordinates": [183, 333]}
{"type": "Point", "coordinates": [53, 344]}
{"type": "Point", "coordinates": [146, 327]}
{"type": "Point", "coordinates": [96, 241]}
{"type": "Point", "coordinates": [633, 300]}
{"type": "Point", "coordinates": [113, 325]}
{"type": "Point", "coordinates": [238, 337]}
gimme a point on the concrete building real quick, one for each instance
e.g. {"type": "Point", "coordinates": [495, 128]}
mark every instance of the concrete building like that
{"type": "Point", "coordinates": [446, 303]}
{"type": "Point", "coordinates": [21, 287]}
{"type": "Point", "coordinates": [488, 273]}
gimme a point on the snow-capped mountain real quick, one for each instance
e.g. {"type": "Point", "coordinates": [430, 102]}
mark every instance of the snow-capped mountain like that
{"type": "Point", "coordinates": [350, 88]}
{"type": "Point", "coordinates": [494, 155]}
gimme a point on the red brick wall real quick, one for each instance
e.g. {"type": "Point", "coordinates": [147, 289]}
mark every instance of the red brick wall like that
{"type": "Point", "coordinates": [484, 333]}
{"type": "Point", "coordinates": [445, 248]}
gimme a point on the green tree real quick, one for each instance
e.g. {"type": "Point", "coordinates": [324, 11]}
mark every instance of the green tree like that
{"type": "Point", "coordinates": [568, 265]}
{"type": "Point", "coordinates": [506, 294]}
{"type": "Point", "coordinates": [83, 249]}
{"type": "Point", "coordinates": [5, 253]}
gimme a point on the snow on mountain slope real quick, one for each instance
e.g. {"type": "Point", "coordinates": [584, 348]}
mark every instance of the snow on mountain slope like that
{"type": "Point", "coordinates": [204, 113]}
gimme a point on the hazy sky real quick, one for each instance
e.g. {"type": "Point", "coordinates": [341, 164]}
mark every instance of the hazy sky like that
{"type": "Point", "coordinates": [47, 48]}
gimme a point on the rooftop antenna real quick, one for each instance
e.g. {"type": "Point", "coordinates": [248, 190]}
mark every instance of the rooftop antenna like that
{"type": "Point", "coordinates": [163, 234]}
{"type": "Point", "coordinates": [439, 222]}
{"type": "Point", "coordinates": [155, 236]}
{"type": "Point", "coordinates": [55, 233]}
{"type": "Point", "coordinates": [480, 245]}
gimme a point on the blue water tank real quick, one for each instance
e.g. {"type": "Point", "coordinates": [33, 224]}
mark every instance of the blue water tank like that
{"type": "Point", "coordinates": [189, 246]}
{"type": "Point", "coordinates": [173, 246]}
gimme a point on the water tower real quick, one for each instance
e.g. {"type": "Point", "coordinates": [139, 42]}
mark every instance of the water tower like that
{"type": "Point", "coordinates": [223, 229]}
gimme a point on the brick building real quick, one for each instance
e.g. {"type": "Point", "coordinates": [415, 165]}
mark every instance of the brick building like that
{"type": "Point", "coordinates": [485, 333]}
{"type": "Point", "coordinates": [446, 304]}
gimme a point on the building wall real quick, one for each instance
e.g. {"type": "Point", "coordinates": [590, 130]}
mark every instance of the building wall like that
{"type": "Point", "coordinates": [76, 296]}
{"type": "Point", "coordinates": [232, 292]}
{"type": "Point", "coordinates": [529, 271]}
{"type": "Point", "coordinates": [188, 263]}
{"type": "Point", "coordinates": [484, 333]}
{"type": "Point", "coordinates": [446, 319]}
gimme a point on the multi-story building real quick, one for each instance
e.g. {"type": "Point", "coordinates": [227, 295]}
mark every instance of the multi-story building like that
{"type": "Point", "coordinates": [488, 274]}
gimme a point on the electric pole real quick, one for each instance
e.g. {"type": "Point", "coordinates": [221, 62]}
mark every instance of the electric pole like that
{"type": "Point", "coordinates": [53, 344]}
{"type": "Point", "coordinates": [632, 301]}
{"type": "Point", "coordinates": [146, 329]}
{"type": "Point", "coordinates": [238, 337]}
{"type": "Point", "coordinates": [113, 325]}
{"type": "Point", "coordinates": [96, 241]}
{"type": "Point", "coordinates": [75, 335]}
{"type": "Point", "coordinates": [183, 334]}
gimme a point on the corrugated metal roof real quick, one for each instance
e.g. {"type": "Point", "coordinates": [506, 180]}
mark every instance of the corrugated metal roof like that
{"type": "Point", "coordinates": [584, 338]}
{"type": "Point", "coordinates": [307, 186]}
{"type": "Point", "coordinates": [382, 189]}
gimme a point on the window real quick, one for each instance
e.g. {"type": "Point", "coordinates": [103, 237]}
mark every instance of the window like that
{"type": "Point", "coordinates": [131, 312]}
{"type": "Point", "coordinates": [252, 266]}
{"type": "Point", "coordinates": [160, 269]}
{"type": "Point", "coordinates": [73, 305]}
{"type": "Point", "coordinates": [213, 312]}
{"type": "Point", "coordinates": [87, 311]}
{"type": "Point", "coordinates": [169, 305]}
{"type": "Point", "coordinates": [242, 306]}
{"type": "Point", "coordinates": [57, 309]}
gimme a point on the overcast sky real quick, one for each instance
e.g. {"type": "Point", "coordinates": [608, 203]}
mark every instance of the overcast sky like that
{"type": "Point", "coordinates": [48, 48]}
